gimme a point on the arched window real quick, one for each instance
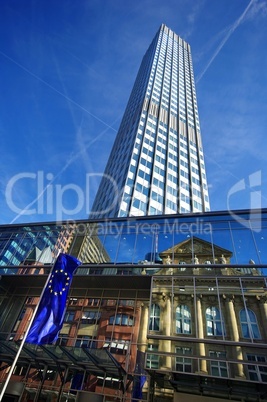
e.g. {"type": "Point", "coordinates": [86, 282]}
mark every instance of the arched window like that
{"type": "Point", "coordinates": [249, 324]}
{"type": "Point", "coordinates": [154, 317]}
{"type": "Point", "coordinates": [183, 320]}
{"type": "Point", "coordinates": [215, 324]}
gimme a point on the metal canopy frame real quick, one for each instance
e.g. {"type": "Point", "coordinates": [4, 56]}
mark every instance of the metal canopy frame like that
{"type": "Point", "coordinates": [98, 362]}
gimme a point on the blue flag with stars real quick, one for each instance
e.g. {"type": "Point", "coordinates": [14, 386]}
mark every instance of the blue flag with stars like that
{"type": "Point", "coordinates": [49, 317]}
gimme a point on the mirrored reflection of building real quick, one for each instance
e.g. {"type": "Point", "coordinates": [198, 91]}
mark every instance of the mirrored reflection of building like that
{"type": "Point", "coordinates": [161, 309]}
{"type": "Point", "coordinates": [37, 259]}
{"type": "Point", "coordinates": [18, 241]}
{"type": "Point", "coordinates": [196, 256]}
{"type": "Point", "coordinates": [87, 244]}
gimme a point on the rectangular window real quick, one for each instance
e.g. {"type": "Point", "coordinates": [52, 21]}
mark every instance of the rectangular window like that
{"type": "Point", "coordinates": [69, 316]}
{"type": "Point", "coordinates": [142, 189]}
{"type": "Point", "coordinates": [122, 319]}
{"type": "Point", "coordinates": [183, 363]}
{"type": "Point", "coordinates": [90, 317]}
{"type": "Point", "coordinates": [93, 302]}
{"type": "Point", "coordinates": [118, 346]}
{"type": "Point", "coordinates": [157, 197]}
{"type": "Point", "coordinates": [218, 368]}
{"type": "Point", "coordinates": [152, 360]}
{"type": "Point", "coordinates": [62, 340]}
{"type": "Point", "coordinates": [85, 341]}
{"type": "Point", "coordinates": [256, 371]}
{"type": "Point", "coordinates": [171, 205]}
{"type": "Point", "coordinates": [138, 204]}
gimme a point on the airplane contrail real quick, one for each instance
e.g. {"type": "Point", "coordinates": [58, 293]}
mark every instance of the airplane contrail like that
{"type": "Point", "coordinates": [225, 39]}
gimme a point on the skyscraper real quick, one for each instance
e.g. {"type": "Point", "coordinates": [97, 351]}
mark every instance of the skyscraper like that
{"type": "Point", "coordinates": [156, 165]}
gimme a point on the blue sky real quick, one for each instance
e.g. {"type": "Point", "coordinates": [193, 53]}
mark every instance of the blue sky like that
{"type": "Point", "coordinates": [67, 69]}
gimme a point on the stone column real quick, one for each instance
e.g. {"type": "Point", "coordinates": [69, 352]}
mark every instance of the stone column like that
{"type": "Point", "coordinates": [238, 368]}
{"type": "Point", "coordinates": [202, 350]}
{"type": "Point", "coordinates": [142, 336]}
{"type": "Point", "coordinates": [263, 323]}
{"type": "Point", "coordinates": [165, 344]}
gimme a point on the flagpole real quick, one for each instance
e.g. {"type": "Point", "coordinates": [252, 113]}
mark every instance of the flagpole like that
{"type": "Point", "coordinates": [24, 338]}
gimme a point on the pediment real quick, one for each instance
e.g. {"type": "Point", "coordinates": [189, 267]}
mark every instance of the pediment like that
{"type": "Point", "coordinates": [197, 246]}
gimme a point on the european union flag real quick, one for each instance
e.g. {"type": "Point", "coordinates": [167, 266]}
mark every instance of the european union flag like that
{"type": "Point", "coordinates": [76, 383]}
{"type": "Point", "coordinates": [140, 376]}
{"type": "Point", "coordinates": [48, 320]}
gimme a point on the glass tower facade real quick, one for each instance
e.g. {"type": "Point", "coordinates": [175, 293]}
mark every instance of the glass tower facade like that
{"type": "Point", "coordinates": [157, 165]}
{"type": "Point", "coordinates": [188, 323]}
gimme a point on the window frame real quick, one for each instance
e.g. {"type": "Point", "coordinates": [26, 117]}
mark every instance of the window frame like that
{"type": "Point", "coordinates": [249, 329]}
{"type": "Point", "coordinates": [217, 327]}
{"type": "Point", "coordinates": [183, 320]}
{"type": "Point", "coordinates": [256, 372]}
{"type": "Point", "coordinates": [121, 319]}
{"type": "Point", "coordinates": [93, 317]}
{"type": "Point", "coordinates": [69, 316]}
{"type": "Point", "coordinates": [218, 365]}
{"type": "Point", "coordinates": [154, 319]}
{"type": "Point", "coordinates": [152, 360]}
{"type": "Point", "coordinates": [183, 361]}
